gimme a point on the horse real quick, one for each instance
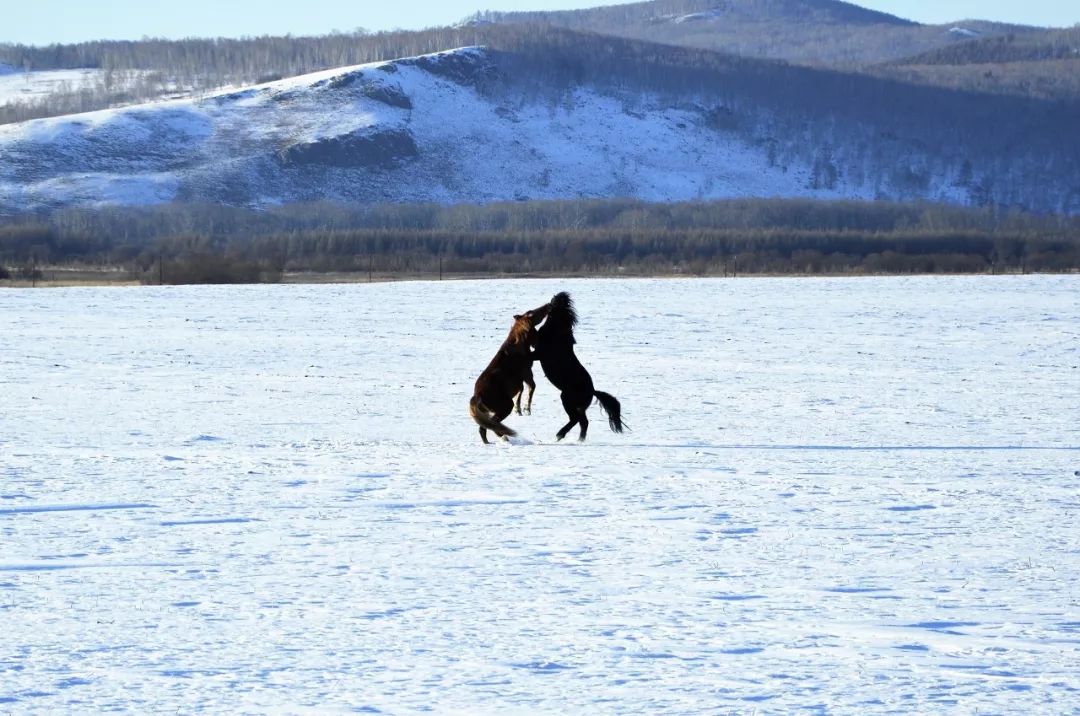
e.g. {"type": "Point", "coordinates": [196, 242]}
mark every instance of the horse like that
{"type": "Point", "coordinates": [498, 389]}
{"type": "Point", "coordinates": [555, 351]}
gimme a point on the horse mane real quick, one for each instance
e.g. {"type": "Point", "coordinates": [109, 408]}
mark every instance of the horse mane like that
{"type": "Point", "coordinates": [563, 316]}
{"type": "Point", "coordinates": [521, 331]}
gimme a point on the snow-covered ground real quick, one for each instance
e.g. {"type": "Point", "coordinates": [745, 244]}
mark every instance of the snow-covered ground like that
{"type": "Point", "coordinates": [16, 85]}
{"type": "Point", "coordinates": [850, 496]}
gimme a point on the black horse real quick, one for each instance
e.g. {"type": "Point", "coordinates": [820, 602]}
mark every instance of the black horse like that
{"type": "Point", "coordinates": [555, 351]}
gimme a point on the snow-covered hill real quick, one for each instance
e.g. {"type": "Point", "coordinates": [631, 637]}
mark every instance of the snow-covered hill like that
{"type": "Point", "coordinates": [460, 126]}
{"type": "Point", "coordinates": [411, 130]}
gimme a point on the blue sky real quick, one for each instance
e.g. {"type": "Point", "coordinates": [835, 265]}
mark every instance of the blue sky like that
{"type": "Point", "coordinates": [47, 21]}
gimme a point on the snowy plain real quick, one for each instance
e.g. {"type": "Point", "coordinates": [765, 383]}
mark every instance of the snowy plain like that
{"type": "Point", "coordinates": [838, 496]}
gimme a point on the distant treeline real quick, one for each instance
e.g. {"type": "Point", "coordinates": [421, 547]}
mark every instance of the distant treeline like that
{"type": "Point", "coordinates": [217, 244]}
{"type": "Point", "coordinates": [1056, 44]}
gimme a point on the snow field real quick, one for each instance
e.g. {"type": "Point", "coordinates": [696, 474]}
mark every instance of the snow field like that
{"type": "Point", "coordinates": [849, 495]}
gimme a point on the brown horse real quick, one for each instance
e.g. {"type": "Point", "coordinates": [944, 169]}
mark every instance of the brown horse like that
{"type": "Point", "coordinates": [498, 389]}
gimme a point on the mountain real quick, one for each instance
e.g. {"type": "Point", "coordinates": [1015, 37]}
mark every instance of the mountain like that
{"type": "Point", "coordinates": [818, 32]}
{"type": "Point", "coordinates": [544, 113]}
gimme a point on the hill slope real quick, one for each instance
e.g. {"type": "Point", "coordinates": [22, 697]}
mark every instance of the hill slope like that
{"type": "Point", "coordinates": [411, 130]}
{"type": "Point", "coordinates": [563, 117]}
{"type": "Point", "coordinates": [820, 32]}
{"type": "Point", "coordinates": [1043, 64]}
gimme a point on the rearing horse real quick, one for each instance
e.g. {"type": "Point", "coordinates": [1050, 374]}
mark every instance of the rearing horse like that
{"type": "Point", "coordinates": [501, 382]}
{"type": "Point", "coordinates": [555, 351]}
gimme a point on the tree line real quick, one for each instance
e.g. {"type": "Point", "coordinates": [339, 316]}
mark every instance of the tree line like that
{"type": "Point", "coordinates": [219, 244]}
{"type": "Point", "coordinates": [1052, 44]}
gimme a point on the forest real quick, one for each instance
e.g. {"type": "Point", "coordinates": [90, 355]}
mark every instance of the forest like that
{"type": "Point", "coordinates": [216, 244]}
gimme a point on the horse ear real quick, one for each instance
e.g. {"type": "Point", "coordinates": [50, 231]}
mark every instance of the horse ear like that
{"type": "Point", "coordinates": [518, 318]}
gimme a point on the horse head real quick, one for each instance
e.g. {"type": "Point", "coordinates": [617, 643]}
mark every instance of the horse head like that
{"type": "Point", "coordinates": [562, 308]}
{"type": "Point", "coordinates": [526, 323]}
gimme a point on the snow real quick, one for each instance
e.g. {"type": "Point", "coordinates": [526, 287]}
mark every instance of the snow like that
{"type": "Point", "coordinates": [838, 495]}
{"type": "Point", "coordinates": [963, 32]}
{"type": "Point", "coordinates": [698, 16]}
{"type": "Point", "coordinates": [17, 85]}
{"type": "Point", "coordinates": [105, 189]}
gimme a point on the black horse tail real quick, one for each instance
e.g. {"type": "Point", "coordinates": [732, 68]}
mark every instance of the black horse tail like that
{"type": "Point", "coordinates": [485, 419]}
{"type": "Point", "coordinates": [611, 406]}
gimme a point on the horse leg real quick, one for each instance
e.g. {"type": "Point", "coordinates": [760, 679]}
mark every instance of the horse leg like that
{"type": "Point", "coordinates": [517, 402]}
{"type": "Point", "coordinates": [565, 429]}
{"type": "Point", "coordinates": [483, 436]}
{"type": "Point", "coordinates": [574, 418]}
{"type": "Point", "coordinates": [532, 388]}
{"type": "Point", "coordinates": [583, 421]}
{"type": "Point", "coordinates": [502, 413]}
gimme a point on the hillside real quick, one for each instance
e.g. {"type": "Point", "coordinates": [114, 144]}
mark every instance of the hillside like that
{"type": "Point", "coordinates": [65, 79]}
{"type": "Point", "coordinates": [554, 114]}
{"type": "Point", "coordinates": [1044, 64]}
{"type": "Point", "coordinates": [411, 130]}
{"type": "Point", "coordinates": [1051, 79]}
{"type": "Point", "coordinates": [817, 32]}
{"type": "Point", "coordinates": [1040, 46]}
